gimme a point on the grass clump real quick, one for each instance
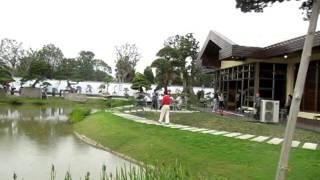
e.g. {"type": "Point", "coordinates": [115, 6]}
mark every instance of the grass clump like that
{"type": "Point", "coordinates": [111, 103]}
{"type": "Point", "coordinates": [78, 114]}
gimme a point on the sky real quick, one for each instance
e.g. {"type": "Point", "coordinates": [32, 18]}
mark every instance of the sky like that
{"type": "Point", "coordinates": [100, 25]}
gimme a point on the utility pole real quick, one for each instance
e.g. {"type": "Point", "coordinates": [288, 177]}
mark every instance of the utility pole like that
{"type": "Point", "coordinates": [298, 91]}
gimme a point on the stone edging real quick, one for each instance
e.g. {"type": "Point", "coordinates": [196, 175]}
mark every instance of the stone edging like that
{"type": "Point", "coordinates": [99, 146]}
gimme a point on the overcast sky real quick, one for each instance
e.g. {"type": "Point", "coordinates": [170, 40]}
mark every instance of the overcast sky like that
{"type": "Point", "coordinates": [100, 25]}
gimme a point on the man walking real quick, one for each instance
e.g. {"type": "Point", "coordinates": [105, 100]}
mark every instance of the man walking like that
{"type": "Point", "coordinates": [165, 110]}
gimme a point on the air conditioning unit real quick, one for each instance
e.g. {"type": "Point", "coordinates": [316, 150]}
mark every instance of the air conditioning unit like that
{"type": "Point", "coordinates": [269, 112]}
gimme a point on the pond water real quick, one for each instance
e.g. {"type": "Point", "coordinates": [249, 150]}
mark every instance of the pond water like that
{"type": "Point", "coordinates": [32, 138]}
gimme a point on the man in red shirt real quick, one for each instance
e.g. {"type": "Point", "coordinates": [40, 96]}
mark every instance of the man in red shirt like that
{"type": "Point", "coordinates": [165, 110]}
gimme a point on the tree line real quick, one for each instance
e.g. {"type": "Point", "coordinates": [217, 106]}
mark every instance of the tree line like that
{"type": "Point", "coordinates": [175, 65]}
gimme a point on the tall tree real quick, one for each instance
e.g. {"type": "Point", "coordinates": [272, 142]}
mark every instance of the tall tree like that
{"type": "Point", "coordinates": [5, 74]}
{"type": "Point", "coordinates": [25, 62]}
{"type": "Point", "coordinates": [127, 56]}
{"type": "Point", "coordinates": [101, 66]}
{"type": "Point", "coordinates": [68, 69]}
{"type": "Point", "coordinates": [10, 52]}
{"type": "Point", "coordinates": [52, 55]}
{"type": "Point", "coordinates": [312, 8]}
{"type": "Point", "coordinates": [165, 72]}
{"type": "Point", "coordinates": [183, 50]}
{"type": "Point", "coordinates": [86, 64]}
{"type": "Point", "coordinates": [149, 74]}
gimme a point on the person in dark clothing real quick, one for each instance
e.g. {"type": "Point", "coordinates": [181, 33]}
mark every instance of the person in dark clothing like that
{"type": "Point", "coordinates": [155, 100]}
{"type": "Point", "coordinates": [257, 103]}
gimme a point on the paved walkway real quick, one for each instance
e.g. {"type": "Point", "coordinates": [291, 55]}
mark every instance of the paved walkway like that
{"type": "Point", "coordinates": [236, 135]}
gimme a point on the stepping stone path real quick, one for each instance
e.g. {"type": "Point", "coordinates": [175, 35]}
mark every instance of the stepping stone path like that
{"type": "Point", "coordinates": [311, 146]}
{"type": "Point", "coordinates": [275, 141]}
{"type": "Point", "coordinates": [237, 135]}
{"type": "Point", "coordinates": [295, 143]}
{"type": "Point", "coordinates": [245, 136]}
{"type": "Point", "coordinates": [232, 134]}
{"type": "Point", "coordinates": [260, 138]}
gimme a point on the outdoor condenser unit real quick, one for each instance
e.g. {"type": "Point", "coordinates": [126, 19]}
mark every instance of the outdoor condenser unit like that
{"type": "Point", "coordinates": [269, 111]}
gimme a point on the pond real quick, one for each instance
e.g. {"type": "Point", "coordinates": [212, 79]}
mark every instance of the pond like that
{"type": "Point", "coordinates": [32, 138]}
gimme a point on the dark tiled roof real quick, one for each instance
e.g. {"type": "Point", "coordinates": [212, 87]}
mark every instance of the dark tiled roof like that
{"type": "Point", "coordinates": [230, 50]}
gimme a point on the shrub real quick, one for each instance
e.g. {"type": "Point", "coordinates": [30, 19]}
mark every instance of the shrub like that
{"type": "Point", "coordinates": [78, 114]}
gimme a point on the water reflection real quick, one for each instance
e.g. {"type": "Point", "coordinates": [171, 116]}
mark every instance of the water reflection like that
{"type": "Point", "coordinates": [33, 138]}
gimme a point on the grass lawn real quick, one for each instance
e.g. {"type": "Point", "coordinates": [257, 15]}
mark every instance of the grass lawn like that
{"type": "Point", "coordinates": [200, 154]}
{"type": "Point", "coordinates": [233, 124]}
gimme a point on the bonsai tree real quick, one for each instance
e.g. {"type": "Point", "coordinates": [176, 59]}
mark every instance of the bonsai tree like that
{"type": "Point", "coordinates": [108, 79]}
{"type": "Point", "coordinates": [140, 81]}
{"type": "Point", "coordinates": [39, 70]}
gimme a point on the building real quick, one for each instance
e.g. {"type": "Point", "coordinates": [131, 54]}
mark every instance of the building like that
{"type": "Point", "coordinates": [270, 70]}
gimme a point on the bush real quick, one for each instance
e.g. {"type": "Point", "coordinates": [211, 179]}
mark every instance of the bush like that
{"type": "Point", "coordinates": [78, 114]}
{"type": "Point", "coordinates": [15, 102]}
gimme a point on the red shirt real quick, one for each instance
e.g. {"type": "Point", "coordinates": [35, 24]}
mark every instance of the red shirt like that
{"type": "Point", "coordinates": [166, 100]}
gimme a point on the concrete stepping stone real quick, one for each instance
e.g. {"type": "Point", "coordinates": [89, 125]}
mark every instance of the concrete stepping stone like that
{"type": "Point", "coordinates": [208, 132]}
{"type": "Point", "coordinates": [232, 134]}
{"type": "Point", "coordinates": [295, 143]}
{"type": "Point", "coordinates": [219, 132]}
{"type": "Point", "coordinates": [126, 111]}
{"type": "Point", "coordinates": [188, 129]}
{"type": "Point", "coordinates": [199, 129]}
{"type": "Point", "coordinates": [260, 138]}
{"type": "Point", "coordinates": [311, 146]}
{"type": "Point", "coordinates": [245, 136]}
{"type": "Point", "coordinates": [275, 141]}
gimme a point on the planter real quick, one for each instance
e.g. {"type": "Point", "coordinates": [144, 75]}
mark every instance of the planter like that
{"type": "Point", "coordinates": [75, 97]}
{"type": "Point", "coordinates": [31, 92]}
{"type": "Point", "coordinates": [2, 92]}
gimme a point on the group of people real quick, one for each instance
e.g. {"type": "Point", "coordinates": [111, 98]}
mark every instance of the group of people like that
{"type": "Point", "coordinates": [218, 103]}
{"type": "Point", "coordinates": [156, 101]}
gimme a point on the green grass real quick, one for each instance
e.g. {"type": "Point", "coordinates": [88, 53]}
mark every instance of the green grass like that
{"type": "Point", "coordinates": [200, 154]}
{"type": "Point", "coordinates": [111, 103]}
{"type": "Point", "coordinates": [78, 114]}
{"type": "Point", "coordinates": [233, 124]}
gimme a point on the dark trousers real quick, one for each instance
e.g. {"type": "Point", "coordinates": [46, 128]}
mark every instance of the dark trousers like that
{"type": "Point", "coordinates": [257, 115]}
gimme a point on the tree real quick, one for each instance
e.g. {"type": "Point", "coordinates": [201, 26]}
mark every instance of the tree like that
{"type": "Point", "coordinates": [100, 65]}
{"type": "Point", "coordinates": [24, 64]}
{"type": "Point", "coordinates": [86, 64]}
{"type": "Point", "coordinates": [108, 79]}
{"type": "Point", "coordinates": [140, 81]}
{"type": "Point", "coordinates": [68, 69]}
{"type": "Point", "coordinates": [10, 52]}
{"type": "Point", "coordinates": [127, 56]}
{"type": "Point", "coordinates": [149, 74]}
{"type": "Point", "coordinates": [183, 50]}
{"type": "Point", "coordinates": [5, 74]}
{"type": "Point", "coordinates": [52, 55]}
{"type": "Point", "coordinates": [39, 70]}
{"type": "Point", "coordinates": [258, 6]}
{"type": "Point", "coordinates": [165, 72]}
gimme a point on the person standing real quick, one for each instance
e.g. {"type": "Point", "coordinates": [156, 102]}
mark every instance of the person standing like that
{"type": "Point", "coordinates": [215, 102]}
{"type": "Point", "coordinates": [288, 104]}
{"type": "Point", "coordinates": [155, 100]}
{"type": "Point", "coordinates": [165, 109]}
{"type": "Point", "coordinates": [257, 103]}
{"type": "Point", "coordinates": [221, 103]}
{"type": "Point", "coordinates": [238, 102]}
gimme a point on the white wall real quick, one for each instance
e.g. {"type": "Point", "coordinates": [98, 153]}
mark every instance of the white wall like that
{"type": "Point", "coordinates": [117, 89]}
